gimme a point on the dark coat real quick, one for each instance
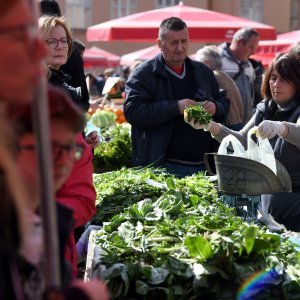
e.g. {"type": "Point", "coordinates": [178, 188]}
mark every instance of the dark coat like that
{"type": "Point", "coordinates": [150, 107]}
{"type": "Point", "coordinates": [74, 68]}
{"type": "Point", "coordinates": [61, 79]}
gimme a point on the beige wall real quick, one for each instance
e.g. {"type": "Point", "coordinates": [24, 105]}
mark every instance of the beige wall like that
{"type": "Point", "coordinates": [278, 15]}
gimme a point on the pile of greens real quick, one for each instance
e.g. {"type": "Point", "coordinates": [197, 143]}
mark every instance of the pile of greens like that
{"type": "Point", "coordinates": [180, 242]}
{"type": "Point", "coordinates": [118, 189]}
{"type": "Point", "coordinates": [114, 151]}
{"type": "Point", "coordinates": [198, 113]}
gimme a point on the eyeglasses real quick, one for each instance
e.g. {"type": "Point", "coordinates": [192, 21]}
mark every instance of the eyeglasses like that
{"type": "Point", "coordinates": [53, 43]}
{"type": "Point", "coordinates": [74, 151]}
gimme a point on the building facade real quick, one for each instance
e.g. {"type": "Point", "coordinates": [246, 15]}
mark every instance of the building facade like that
{"type": "Point", "coordinates": [283, 15]}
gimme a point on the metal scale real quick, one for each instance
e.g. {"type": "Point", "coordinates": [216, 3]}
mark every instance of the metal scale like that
{"type": "Point", "coordinates": [241, 182]}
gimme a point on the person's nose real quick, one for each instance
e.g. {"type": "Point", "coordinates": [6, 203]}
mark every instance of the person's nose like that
{"type": "Point", "coordinates": [59, 45]}
{"type": "Point", "coordinates": [180, 46]}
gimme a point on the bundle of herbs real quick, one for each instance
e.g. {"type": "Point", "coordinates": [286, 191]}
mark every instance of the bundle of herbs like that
{"type": "Point", "coordinates": [183, 243]}
{"type": "Point", "coordinates": [198, 113]}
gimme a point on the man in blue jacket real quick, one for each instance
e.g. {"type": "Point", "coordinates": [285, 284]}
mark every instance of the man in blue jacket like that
{"type": "Point", "coordinates": [158, 91]}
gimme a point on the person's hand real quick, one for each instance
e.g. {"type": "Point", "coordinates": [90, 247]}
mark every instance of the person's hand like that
{"type": "Point", "coordinates": [269, 129]}
{"type": "Point", "coordinates": [210, 107]}
{"type": "Point", "coordinates": [96, 103]}
{"type": "Point", "coordinates": [93, 139]}
{"type": "Point", "coordinates": [197, 125]}
{"type": "Point", "coordinates": [184, 103]}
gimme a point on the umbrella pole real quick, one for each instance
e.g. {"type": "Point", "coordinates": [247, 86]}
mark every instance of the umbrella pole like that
{"type": "Point", "coordinates": [46, 192]}
{"type": "Point", "coordinates": [40, 113]}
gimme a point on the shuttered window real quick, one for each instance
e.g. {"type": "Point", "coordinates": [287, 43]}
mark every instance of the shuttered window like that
{"type": "Point", "coordinates": [121, 8]}
{"type": "Point", "coordinates": [78, 13]}
{"type": "Point", "coordinates": [166, 3]}
{"type": "Point", "coordinates": [251, 10]}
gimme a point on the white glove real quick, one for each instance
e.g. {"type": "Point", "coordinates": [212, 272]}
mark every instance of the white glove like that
{"type": "Point", "coordinates": [268, 129]}
{"type": "Point", "coordinates": [197, 125]}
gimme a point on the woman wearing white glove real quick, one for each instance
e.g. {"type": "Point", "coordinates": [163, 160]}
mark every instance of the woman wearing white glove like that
{"type": "Point", "coordinates": [278, 119]}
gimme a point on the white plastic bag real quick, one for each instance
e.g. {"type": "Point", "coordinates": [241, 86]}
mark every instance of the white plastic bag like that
{"type": "Point", "coordinates": [261, 152]}
{"type": "Point", "coordinates": [236, 146]}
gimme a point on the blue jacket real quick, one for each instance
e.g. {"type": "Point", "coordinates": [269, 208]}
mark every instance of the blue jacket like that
{"type": "Point", "coordinates": [150, 107]}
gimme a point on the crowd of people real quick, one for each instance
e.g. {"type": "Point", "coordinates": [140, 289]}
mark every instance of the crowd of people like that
{"type": "Point", "coordinates": [223, 80]}
{"type": "Point", "coordinates": [232, 90]}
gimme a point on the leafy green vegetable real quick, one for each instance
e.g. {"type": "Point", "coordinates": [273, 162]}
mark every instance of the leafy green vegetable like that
{"type": "Point", "coordinates": [117, 190]}
{"type": "Point", "coordinates": [174, 239]}
{"type": "Point", "coordinates": [198, 113]}
{"type": "Point", "coordinates": [115, 151]}
{"type": "Point", "coordinates": [103, 118]}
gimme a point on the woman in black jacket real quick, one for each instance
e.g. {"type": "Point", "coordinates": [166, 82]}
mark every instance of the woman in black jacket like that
{"type": "Point", "coordinates": [57, 37]}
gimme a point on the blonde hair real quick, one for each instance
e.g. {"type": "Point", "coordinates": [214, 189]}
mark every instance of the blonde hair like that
{"type": "Point", "coordinates": [48, 23]}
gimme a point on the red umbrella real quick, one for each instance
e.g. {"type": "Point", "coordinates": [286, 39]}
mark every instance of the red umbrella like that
{"type": "Point", "coordinates": [204, 25]}
{"type": "Point", "coordinates": [96, 57]}
{"type": "Point", "coordinates": [266, 59]}
{"type": "Point", "coordinates": [143, 54]}
{"type": "Point", "coordinates": [283, 43]}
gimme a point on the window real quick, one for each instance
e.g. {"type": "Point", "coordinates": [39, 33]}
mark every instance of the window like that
{"type": "Point", "coordinates": [294, 14]}
{"type": "Point", "coordinates": [251, 10]}
{"type": "Point", "coordinates": [165, 3]}
{"type": "Point", "coordinates": [121, 8]}
{"type": "Point", "coordinates": [79, 13]}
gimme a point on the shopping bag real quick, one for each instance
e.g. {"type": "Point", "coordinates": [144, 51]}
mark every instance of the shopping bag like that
{"type": "Point", "coordinates": [235, 145]}
{"type": "Point", "coordinates": [261, 151]}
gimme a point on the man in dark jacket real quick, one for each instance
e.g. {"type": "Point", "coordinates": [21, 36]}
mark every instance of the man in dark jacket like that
{"type": "Point", "coordinates": [158, 91]}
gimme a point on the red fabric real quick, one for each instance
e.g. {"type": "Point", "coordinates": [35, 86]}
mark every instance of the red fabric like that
{"type": "Point", "coordinates": [177, 70]}
{"type": "Point", "coordinates": [204, 25]}
{"type": "Point", "coordinates": [79, 194]}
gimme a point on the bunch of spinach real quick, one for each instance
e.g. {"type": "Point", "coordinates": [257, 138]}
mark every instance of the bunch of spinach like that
{"type": "Point", "coordinates": [121, 188]}
{"type": "Point", "coordinates": [198, 113]}
{"type": "Point", "coordinates": [114, 152]}
{"type": "Point", "coordinates": [184, 243]}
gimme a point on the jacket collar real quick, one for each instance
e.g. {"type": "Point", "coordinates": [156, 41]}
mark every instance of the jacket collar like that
{"type": "Point", "coordinates": [158, 65]}
{"type": "Point", "coordinates": [59, 75]}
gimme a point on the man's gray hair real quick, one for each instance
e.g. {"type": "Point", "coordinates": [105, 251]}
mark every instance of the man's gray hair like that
{"type": "Point", "coordinates": [173, 24]}
{"type": "Point", "coordinates": [245, 34]}
{"type": "Point", "coordinates": [211, 54]}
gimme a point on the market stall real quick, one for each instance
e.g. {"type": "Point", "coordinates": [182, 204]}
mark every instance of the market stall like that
{"type": "Point", "coordinates": [169, 238]}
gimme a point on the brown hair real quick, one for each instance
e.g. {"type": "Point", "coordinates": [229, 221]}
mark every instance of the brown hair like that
{"type": "Point", "coordinates": [48, 23]}
{"type": "Point", "coordinates": [288, 67]}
